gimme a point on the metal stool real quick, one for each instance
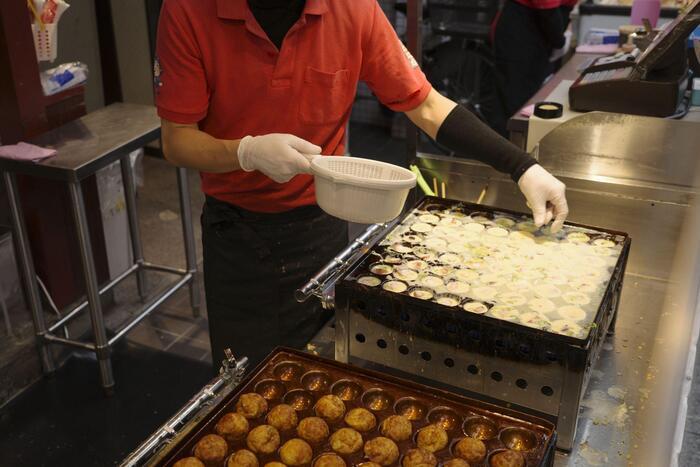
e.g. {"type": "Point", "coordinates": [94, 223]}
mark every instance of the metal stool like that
{"type": "Point", "coordinates": [84, 147]}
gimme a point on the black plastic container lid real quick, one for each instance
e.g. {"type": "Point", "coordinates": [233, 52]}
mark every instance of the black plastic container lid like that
{"type": "Point", "coordinates": [549, 110]}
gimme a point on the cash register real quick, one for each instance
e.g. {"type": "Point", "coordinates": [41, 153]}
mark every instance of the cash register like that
{"type": "Point", "coordinates": [651, 83]}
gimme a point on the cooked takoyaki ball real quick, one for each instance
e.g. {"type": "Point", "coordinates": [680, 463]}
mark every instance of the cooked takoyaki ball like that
{"type": "Point", "coordinates": [263, 439]}
{"type": "Point", "coordinates": [432, 438]}
{"type": "Point", "coordinates": [382, 450]}
{"type": "Point", "coordinates": [211, 449]}
{"type": "Point", "coordinates": [296, 452]}
{"type": "Point", "coordinates": [283, 417]}
{"type": "Point", "coordinates": [470, 449]}
{"type": "Point", "coordinates": [189, 462]}
{"type": "Point", "coordinates": [232, 426]}
{"type": "Point", "coordinates": [507, 459]}
{"type": "Point", "coordinates": [456, 462]}
{"type": "Point", "coordinates": [419, 458]}
{"type": "Point", "coordinates": [346, 441]}
{"type": "Point", "coordinates": [242, 458]}
{"type": "Point", "coordinates": [361, 419]}
{"type": "Point", "coordinates": [330, 408]}
{"type": "Point", "coordinates": [251, 405]}
{"type": "Point", "coordinates": [397, 427]}
{"type": "Point", "coordinates": [313, 429]}
{"type": "Point", "coordinates": [329, 460]}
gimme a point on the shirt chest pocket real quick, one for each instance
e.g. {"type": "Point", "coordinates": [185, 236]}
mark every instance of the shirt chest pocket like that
{"type": "Point", "coordinates": [325, 96]}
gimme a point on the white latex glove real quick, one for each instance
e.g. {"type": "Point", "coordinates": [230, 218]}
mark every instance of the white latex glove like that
{"type": "Point", "coordinates": [546, 196]}
{"type": "Point", "coordinates": [280, 156]}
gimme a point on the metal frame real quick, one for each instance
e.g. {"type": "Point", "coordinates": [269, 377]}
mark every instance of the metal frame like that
{"type": "Point", "coordinates": [321, 285]}
{"type": "Point", "coordinates": [230, 376]}
{"type": "Point", "coordinates": [102, 344]}
{"type": "Point", "coordinates": [365, 317]}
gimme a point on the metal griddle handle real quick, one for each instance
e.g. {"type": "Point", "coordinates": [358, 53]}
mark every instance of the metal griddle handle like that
{"type": "Point", "coordinates": [231, 373]}
{"type": "Point", "coordinates": [323, 283]}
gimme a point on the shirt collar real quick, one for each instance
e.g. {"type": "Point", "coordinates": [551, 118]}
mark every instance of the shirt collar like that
{"type": "Point", "coordinates": [238, 9]}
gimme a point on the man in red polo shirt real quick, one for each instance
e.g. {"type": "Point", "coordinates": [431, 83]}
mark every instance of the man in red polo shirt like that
{"type": "Point", "coordinates": [249, 91]}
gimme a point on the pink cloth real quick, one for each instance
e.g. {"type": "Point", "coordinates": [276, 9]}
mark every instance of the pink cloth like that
{"type": "Point", "coordinates": [26, 152]}
{"type": "Point", "coordinates": [528, 110]}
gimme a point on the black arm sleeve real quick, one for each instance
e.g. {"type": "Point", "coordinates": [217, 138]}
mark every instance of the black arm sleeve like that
{"type": "Point", "coordinates": [465, 134]}
{"type": "Point", "coordinates": [552, 27]}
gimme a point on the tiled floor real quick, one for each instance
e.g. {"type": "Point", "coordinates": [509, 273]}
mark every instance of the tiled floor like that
{"type": "Point", "coordinates": [67, 421]}
{"type": "Point", "coordinates": [173, 328]}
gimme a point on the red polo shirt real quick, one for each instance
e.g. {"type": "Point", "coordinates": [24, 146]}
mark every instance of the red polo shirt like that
{"type": "Point", "coordinates": [541, 4]}
{"type": "Point", "coordinates": [216, 67]}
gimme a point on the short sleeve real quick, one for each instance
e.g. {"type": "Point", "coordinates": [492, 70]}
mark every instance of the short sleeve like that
{"type": "Point", "coordinates": [181, 90]}
{"type": "Point", "coordinates": [389, 69]}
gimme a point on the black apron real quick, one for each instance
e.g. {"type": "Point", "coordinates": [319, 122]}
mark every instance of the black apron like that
{"type": "Point", "coordinates": [253, 263]}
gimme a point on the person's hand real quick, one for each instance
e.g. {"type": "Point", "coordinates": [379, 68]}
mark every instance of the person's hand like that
{"type": "Point", "coordinates": [546, 196]}
{"type": "Point", "coordinates": [279, 156]}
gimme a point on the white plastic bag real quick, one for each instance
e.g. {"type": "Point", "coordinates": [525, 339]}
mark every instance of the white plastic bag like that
{"type": "Point", "coordinates": [63, 77]}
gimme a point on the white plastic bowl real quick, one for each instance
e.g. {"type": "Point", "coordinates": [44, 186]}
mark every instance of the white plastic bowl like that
{"type": "Point", "coordinates": [361, 190]}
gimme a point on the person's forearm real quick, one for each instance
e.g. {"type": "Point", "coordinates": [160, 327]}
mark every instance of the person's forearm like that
{"type": "Point", "coordinates": [431, 113]}
{"type": "Point", "coordinates": [187, 146]}
{"type": "Point", "coordinates": [459, 130]}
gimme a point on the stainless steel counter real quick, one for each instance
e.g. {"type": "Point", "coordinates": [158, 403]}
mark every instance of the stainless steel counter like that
{"type": "Point", "coordinates": [638, 176]}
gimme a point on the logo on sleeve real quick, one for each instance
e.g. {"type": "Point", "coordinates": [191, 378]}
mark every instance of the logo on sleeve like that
{"type": "Point", "coordinates": [409, 57]}
{"type": "Point", "coordinates": [157, 71]}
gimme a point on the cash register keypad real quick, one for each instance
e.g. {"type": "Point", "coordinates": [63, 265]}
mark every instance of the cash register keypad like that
{"type": "Point", "coordinates": [606, 75]}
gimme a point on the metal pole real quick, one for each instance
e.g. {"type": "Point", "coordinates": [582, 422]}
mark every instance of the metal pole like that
{"type": "Point", "coordinates": [102, 349]}
{"type": "Point", "coordinates": [28, 273]}
{"type": "Point", "coordinates": [82, 305]}
{"type": "Point", "coordinates": [155, 303]}
{"type": "Point", "coordinates": [188, 233]}
{"type": "Point", "coordinates": [136, 247]}
{"type": "Point", "coordinates": [414, 20]}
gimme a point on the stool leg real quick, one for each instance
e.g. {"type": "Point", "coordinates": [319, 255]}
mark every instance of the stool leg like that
{"type": "Point", "coordinates": [28, 273]}
{"type": "Point", "coordinates": [102, 348]}
{"type": "Point", "coordinates": [188, 233]}
{"type": "Point", "coordinates": [136, 247]}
